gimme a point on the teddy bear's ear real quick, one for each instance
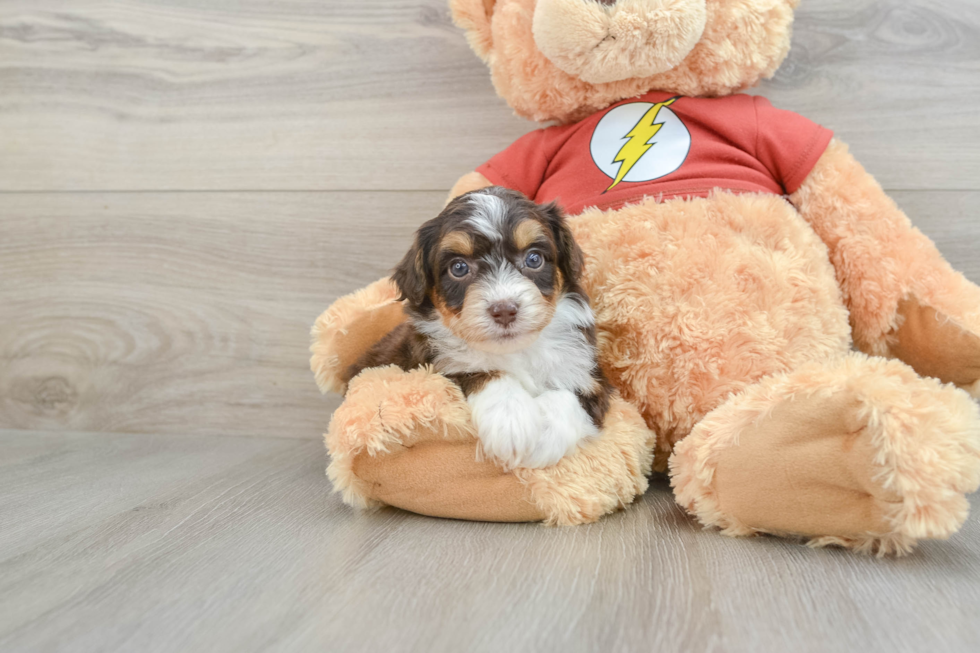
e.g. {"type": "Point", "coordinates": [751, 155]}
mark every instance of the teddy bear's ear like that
{"type": "Point", "coordinates": [474, 17]}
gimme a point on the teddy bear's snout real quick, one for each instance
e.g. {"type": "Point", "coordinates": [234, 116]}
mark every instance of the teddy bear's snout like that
{"type": "Point", "coordinates": [602, 41]}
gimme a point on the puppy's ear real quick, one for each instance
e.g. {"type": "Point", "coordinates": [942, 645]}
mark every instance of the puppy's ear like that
{"type": "Point", "coordinates": [570, 259]}
{"type": "Point", "coordinates": [413, 275]}
{"type": "Point", "coordinates": [410, 275]}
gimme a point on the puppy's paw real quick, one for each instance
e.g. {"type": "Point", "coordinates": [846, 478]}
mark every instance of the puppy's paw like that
{"type": "Point", "coordinates": [509, 423]}
{"type": "Point", "coordinates": [566, 425]}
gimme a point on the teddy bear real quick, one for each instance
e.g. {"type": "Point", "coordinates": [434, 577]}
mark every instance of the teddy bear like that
{"type": "Point", "coordinates": [785, 345]}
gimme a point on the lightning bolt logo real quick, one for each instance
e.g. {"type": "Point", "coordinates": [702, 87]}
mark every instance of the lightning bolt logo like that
{"type": "Point", "coordinates": [639, 141]}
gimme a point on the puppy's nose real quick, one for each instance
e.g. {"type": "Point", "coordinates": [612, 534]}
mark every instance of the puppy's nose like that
{"type": "Point", "coordinates": [503, 313]}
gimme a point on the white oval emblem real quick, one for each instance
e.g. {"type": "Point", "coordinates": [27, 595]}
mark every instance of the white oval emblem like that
{"type": "Point", "coordinates": [640, 141]}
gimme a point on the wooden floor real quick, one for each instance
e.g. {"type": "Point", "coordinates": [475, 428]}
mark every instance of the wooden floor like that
{"type": "Point", "coordinates": [185, 185]}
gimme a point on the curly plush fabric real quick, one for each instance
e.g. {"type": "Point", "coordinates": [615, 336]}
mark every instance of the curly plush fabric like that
{"type": "Point", "coordinates": [629, 38]}
{"type": "Point", "coordinates": [743, 41]}
{"type": "Point", "coordinates": [348, 328]}
{"type": "Point", "coordinates": [697, 299]}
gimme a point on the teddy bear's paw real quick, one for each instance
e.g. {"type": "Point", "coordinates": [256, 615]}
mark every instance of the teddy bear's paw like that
{"type": "Point", "coordinates": [858, 452]}
{"type": "Point", "coordinates": [509, 423]}
{"type": "Point", "coordinates": [936, 345]}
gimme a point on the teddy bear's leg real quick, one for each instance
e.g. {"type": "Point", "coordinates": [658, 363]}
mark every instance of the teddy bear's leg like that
{"type": "Point", "coordinates": [905, 300]}
{"type": "Point", "coordinates": [859, 452]}
{"type": "Point", "coordinates": [406, 439]}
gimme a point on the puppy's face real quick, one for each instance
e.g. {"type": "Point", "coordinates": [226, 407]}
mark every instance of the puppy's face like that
{"type": "Point", "coordinates": [491, 268]}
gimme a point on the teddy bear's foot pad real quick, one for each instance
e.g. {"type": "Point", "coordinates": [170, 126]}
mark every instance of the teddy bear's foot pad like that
{"type": "Point", "coordinates": [440, 478]}
{"type": "Point", "coordinates": [935, 345]}
{"type": "Point", "coordinates": [859, 452]}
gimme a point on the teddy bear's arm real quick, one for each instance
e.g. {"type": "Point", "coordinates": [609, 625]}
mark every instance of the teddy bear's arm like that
{"type": "Point", "coordinates": [468, 182]}
{"type": "Point", "coordinates": [406, 439]}
{"type": "Point", "coordinates": [904, 299]}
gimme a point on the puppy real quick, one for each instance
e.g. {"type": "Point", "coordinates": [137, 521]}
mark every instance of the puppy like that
{"type": "Point", "coordinates": [491, 288]}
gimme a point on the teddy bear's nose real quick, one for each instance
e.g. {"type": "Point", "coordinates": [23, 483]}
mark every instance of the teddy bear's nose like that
{"type": "Point", "coordinates": [606, 41]}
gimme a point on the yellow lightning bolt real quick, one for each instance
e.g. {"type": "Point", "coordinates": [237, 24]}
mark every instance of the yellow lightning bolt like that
{"type": "Point", "coordinates": [639, 141]}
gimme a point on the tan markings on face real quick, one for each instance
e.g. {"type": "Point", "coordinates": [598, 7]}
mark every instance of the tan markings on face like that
{"type": "Point", "coordinates": [457, 322]}
{"type": "Point", "coordinates": [474, 324]}
{"type": "Point", "coordinates": [458, 242]}
{"type": "Point", "coordinates": [473, 320]}
{"type": "Point", "coordinates": [545, 311]}
{"type": "Point", "coordinates": [556, 286]}
{"type": "Point", "coordinates": [527, 232]}
{"type": "Point", "coordinates": [448, 314]}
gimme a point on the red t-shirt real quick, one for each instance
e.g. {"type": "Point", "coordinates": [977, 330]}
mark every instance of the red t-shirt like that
{"type": "Point", "coordinates": [663, 146]}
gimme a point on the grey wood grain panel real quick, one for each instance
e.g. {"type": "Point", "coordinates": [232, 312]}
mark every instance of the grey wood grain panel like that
{"type": "Point", "coordinates": [190, 312]}
{"type": "Point", "coordinates": [182, 312]}
{"type": "Point", "coordinates": [171, 543]}
{"type": "Point", "coordinates": [385, 94]}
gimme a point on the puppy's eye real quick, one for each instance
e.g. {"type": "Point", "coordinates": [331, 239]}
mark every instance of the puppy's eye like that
{"type": "Point", "coordinates": [459, 268]}
{"type": "Point", "coordinates": [533, 260]}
